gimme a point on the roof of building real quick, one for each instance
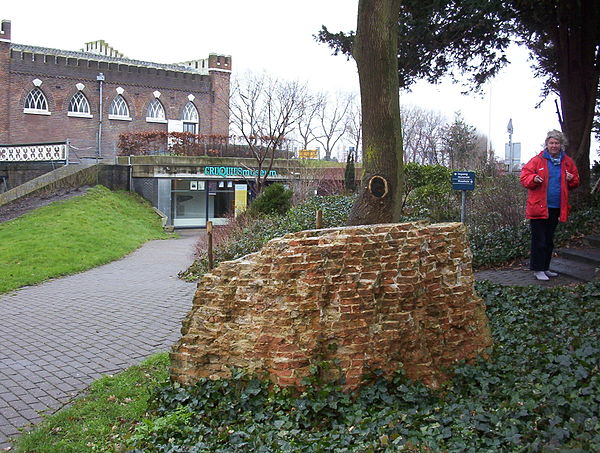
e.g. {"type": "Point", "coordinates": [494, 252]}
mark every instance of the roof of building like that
{"type": "Point", "coordinates": [104, 58]}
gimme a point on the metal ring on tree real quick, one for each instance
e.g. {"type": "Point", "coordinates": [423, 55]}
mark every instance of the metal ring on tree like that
{"type": "Point", "coordinates": [378, 186]}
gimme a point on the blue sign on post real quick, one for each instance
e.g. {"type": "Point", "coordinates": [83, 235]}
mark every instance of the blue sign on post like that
{"type": "Point", "coordinates": [463, 180]}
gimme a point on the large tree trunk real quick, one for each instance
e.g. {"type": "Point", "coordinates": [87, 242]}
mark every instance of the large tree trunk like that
{"type": "Point", "coordinates": [578, 68]}
{"type": "Point", "coordinates": [376, 53]}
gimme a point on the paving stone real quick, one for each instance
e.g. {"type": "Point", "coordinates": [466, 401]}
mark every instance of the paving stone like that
{"type": "Point", "coordinates": [59, 336]}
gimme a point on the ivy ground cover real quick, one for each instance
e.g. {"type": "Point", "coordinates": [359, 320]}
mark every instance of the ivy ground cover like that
{"type": "Point", "coordinates": [538, 391]}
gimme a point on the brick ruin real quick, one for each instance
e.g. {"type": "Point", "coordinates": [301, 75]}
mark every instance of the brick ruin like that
{"type": "Point", "coordinates": [372, 297]}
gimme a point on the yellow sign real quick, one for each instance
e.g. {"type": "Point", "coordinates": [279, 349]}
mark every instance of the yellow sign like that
{"type": "Point", "coordinates": [241, 198]}
{"type": "Point", "coordinates": [308, 154]}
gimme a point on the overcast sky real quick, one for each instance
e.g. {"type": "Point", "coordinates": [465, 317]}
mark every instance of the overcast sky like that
{"type": "Point", "coordinates": [277, 37]}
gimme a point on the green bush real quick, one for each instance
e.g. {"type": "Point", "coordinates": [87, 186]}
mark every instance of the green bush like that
{"type": "Point", "coordinates": [274, 199]}
{"type": "Point", "coordinates": [255, 231]}
{"type": "Point", "coordinates": [496, 203]}
{"type": "Point", "coordinates": [350, 174]}
{"type": "Point", "coordinates": [539, 391]}
{"type": "Point", "coordinates": [504, 244]}
{"type": "Point", "coordinates": [490, 247]}
{"type": "Point", "coordinates": [428, 193]}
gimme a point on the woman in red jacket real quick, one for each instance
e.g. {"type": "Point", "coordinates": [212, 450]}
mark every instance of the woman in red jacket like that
{"type": "Point", "coordinates": [548, 177]}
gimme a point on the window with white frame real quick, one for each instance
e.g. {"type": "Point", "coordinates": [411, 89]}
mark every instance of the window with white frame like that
{"type": "Point", "coordinates": [36, 102]}
{"type": "Point", "coordinates": [79, 106]}
{"type": "Point", "coordinates": [156, 112]}
{"type": "Point", "coordinates": [118, 109]}
{"type": "Point", "coordinates": [190, 118]}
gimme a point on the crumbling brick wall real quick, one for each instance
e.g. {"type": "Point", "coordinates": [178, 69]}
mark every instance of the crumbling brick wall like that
{"type": "Point", "coordinates": [372, 297]}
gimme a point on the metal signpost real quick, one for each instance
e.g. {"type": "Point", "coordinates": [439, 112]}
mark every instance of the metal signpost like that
{"type": "Point", "coordinates": [463, 181]}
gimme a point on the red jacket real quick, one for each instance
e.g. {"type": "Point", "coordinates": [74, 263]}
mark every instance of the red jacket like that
{"type": "Point", "coordinates": [537, 206]}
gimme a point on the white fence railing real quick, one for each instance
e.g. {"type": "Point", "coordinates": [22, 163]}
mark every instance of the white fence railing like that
{"type": "Point", "coordinates": [36, 152]}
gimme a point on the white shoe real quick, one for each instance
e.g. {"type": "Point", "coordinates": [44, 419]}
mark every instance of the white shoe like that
{"type": "Point", "coordinates": [541, 275]}
{"type": "Point", "coordinates": [551, 274]}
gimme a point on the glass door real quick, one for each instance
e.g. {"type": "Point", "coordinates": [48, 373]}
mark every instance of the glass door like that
{"type": "Point", "coordinates": [221, 201]}
{"type": "Point", "coordinates": [188, 203]}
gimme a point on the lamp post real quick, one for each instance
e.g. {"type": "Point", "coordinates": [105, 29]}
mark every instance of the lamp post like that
{"type": "Point", "coordinates": [100, 79]}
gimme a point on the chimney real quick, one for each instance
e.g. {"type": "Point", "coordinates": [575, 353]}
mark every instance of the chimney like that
{"type": "Point", "coordinates": [5, 31]}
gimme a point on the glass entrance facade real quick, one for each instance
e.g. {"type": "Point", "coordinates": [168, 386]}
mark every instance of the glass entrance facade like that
{"type": "Point", "coordinates": [221, 201]}
{"type": "Point", "coordinates": [188, 203]}
{"type": "Point", "coordinates": [193, 202]}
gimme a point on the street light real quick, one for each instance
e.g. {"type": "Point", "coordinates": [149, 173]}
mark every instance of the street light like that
{"type": "Point", "coordinates": [509, 129]}
{"type": "Point", "coordinates": [100, 79]}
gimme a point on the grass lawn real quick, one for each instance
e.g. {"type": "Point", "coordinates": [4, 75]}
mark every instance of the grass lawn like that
{"type": "Point", "coordinates": [74, 235]}
{"type": "Point", "coordinates": [98, 421]}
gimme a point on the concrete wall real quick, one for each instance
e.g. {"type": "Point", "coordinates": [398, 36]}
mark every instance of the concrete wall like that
{"type": "Point", "coordinates": [115, 177]}
{"type": "Point", "coordinates": [17, 173]}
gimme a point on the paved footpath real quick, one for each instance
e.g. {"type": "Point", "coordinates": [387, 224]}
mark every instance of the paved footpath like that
{"type": "Point", "coordinates": [59, 336]}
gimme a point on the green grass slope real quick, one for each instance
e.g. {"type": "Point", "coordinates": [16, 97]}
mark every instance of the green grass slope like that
{"type": "Point", "coordinates": [74, 235]}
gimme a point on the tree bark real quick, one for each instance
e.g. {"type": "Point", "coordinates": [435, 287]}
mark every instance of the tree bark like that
{"type": "Point", "coordinates": [578, 69]}
{"type": "Point", "coordinates": [376, 53]}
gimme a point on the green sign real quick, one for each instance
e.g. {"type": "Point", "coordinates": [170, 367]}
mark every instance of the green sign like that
{"type": "Point", "coordinates": [236, 171]}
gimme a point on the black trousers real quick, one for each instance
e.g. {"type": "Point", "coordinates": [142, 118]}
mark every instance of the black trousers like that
{"type": "Point", "coordinates": [542, 240]}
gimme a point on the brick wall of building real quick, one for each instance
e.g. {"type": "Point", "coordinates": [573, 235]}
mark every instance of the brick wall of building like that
{"type": "Point", "coordinates": [4, 79]}
{"type": "Point", "coordinates": [59, 75]}
{"type": "Point", "coordinates": [372, 297]}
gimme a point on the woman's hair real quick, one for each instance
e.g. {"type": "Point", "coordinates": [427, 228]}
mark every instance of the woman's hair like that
{"type": "Point", "coordinates": [558, 135]}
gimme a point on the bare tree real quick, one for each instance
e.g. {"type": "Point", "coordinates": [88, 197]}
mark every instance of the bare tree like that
{"type": "Point", "coordinates": [306, 127]}
{"type": "Point", "coordinates": [422, 133]}
{"type": "Point", "coordinates": [333, 121]}
{"type": "Point", "coordinates": [264, 111]}
{"type": "Point", "coordinates": [354, 129]}
{"type": "Point", "coordinates": [310, 178]}
{"type": "Point", "coordinates": [465, 147]}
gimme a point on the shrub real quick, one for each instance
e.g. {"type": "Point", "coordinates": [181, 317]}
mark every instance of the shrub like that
{"type": "Point", "coordinates": [274, 199]}
{"type": "Point", "coordinates": [492, 247]}
{"type": "Point", "coordinates": [428, 193]}
{"type": "Point", "coordinates": [248, 233]}
{"type": "Point", "coordinates": [498, 202]}
{"type": "Point", "coordinates": [350, 174]}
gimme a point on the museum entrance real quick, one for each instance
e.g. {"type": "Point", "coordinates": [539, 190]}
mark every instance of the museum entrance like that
{"type": "Point", "coordinates": [193, 202]}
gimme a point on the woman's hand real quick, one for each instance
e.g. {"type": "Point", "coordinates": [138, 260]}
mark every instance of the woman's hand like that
{"type": "Point", "coordinates": [539, 179]}
{"type": "Point", "coordinates": [569, 176]}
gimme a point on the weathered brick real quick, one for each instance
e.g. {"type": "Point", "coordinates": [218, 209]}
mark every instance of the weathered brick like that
{"type": "Point", "coordinates": [372, 296]}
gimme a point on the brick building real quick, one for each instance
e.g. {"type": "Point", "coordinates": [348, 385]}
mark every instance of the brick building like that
{"type": "Point", "coordinates": [90, 97]}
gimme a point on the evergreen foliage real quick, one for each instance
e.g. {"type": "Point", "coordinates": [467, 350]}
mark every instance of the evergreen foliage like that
{"type": "Point", "coordinates": [428, 193]}
{"type": "Point", "coordinates": [539, 390]}
{"type": "Point", "coordinates": [350, 174]}
{"type": "Point", "coordinates": [274, 199]}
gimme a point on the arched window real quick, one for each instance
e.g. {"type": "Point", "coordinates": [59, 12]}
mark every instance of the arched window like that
{"type": "Point", "coordinates": [156, 111]}
{"type": "Point", "coordinates": [79, 105]}
{"type": "Point", "coordinates": [118, 108]}
{"type": "Point", "coordinates": [190, 118]}
{"type": "Point", "coordinates": [36, 102]}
